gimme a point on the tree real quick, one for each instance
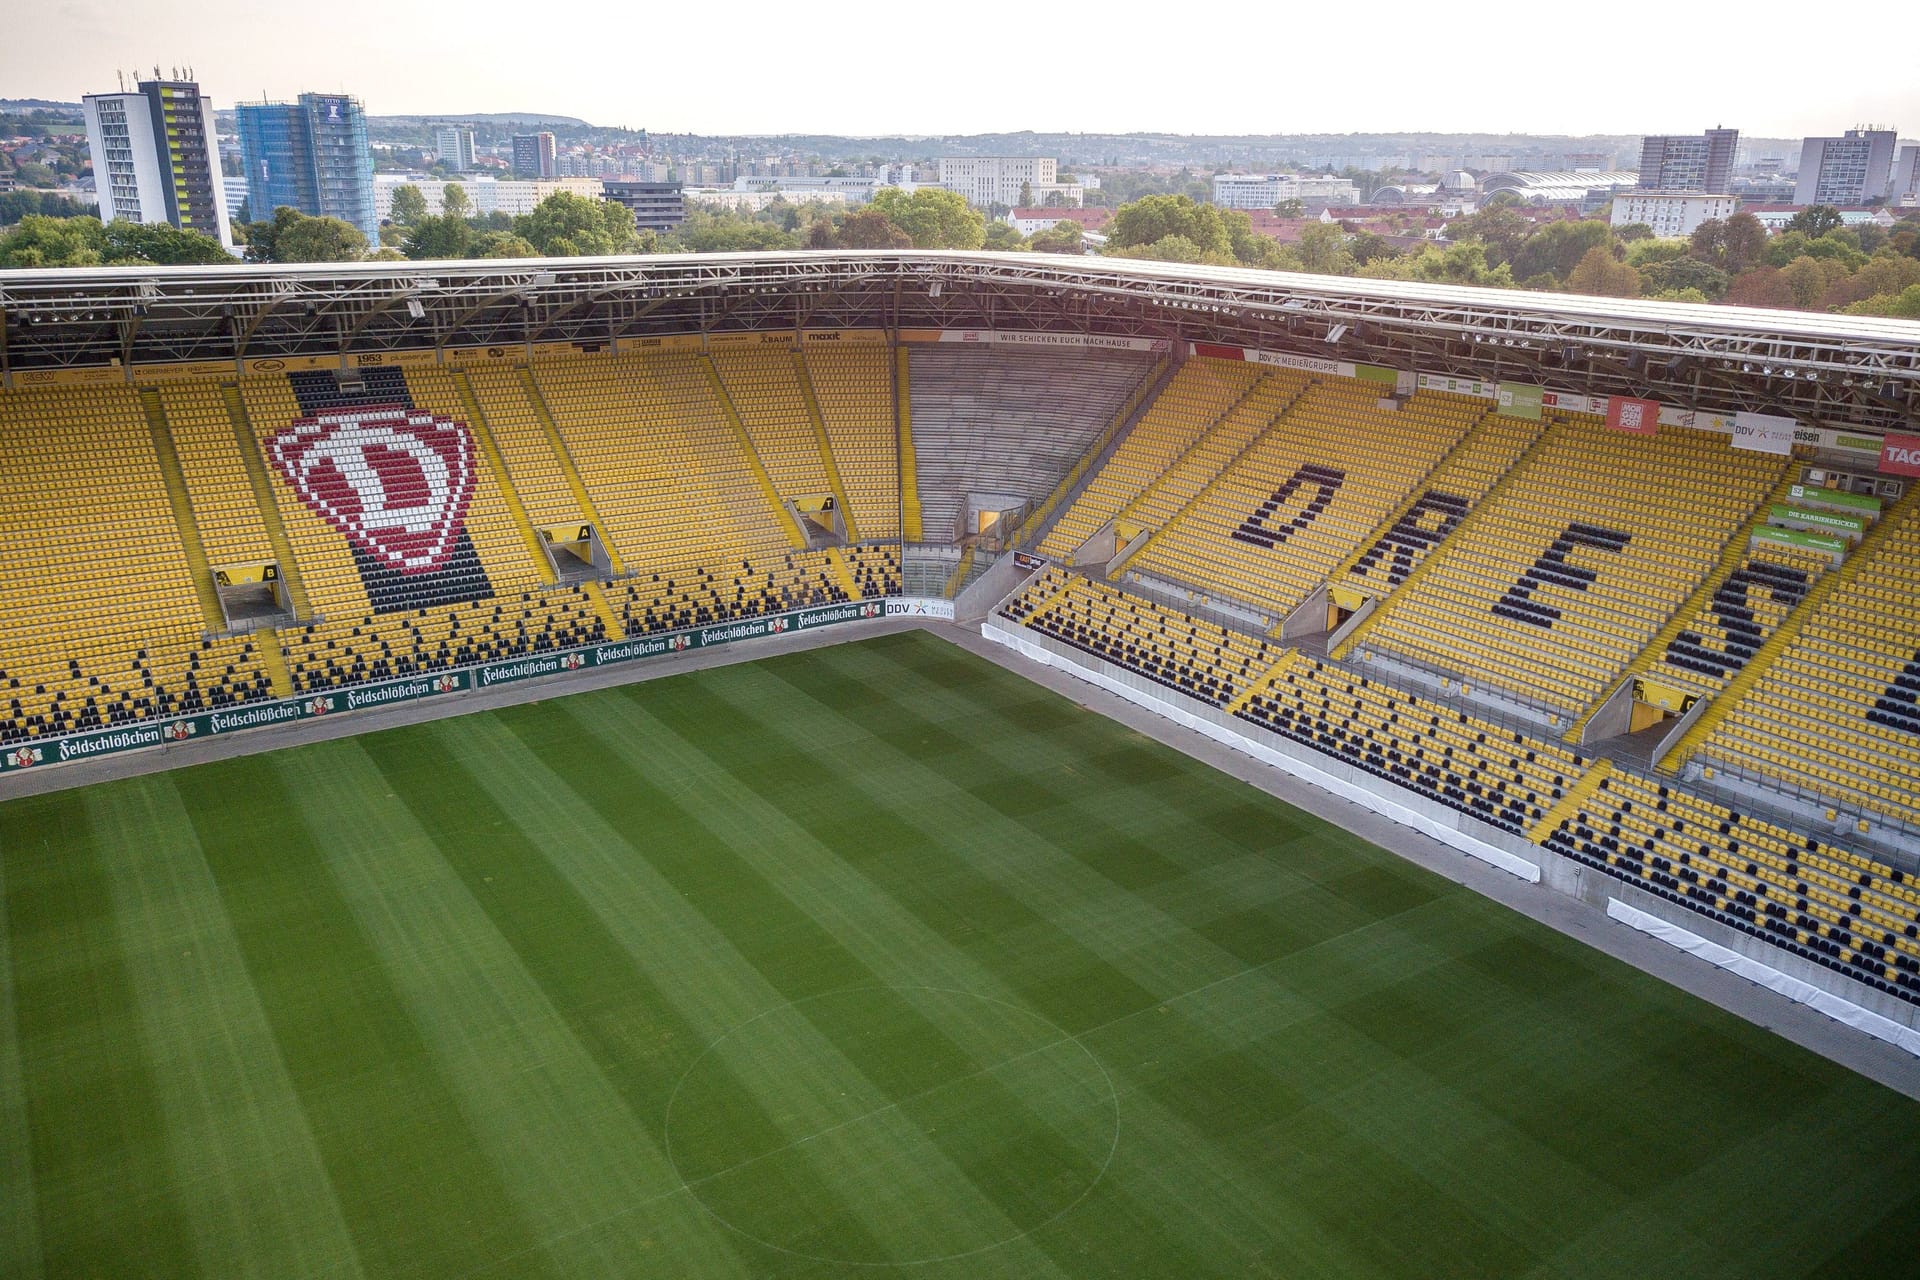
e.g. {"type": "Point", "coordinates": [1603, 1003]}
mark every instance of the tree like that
{"type": "Point", "coordinates": [707, 231]}
{"type": "Point", "coordinates": [1003, 238]}
{"type": "Point", "coordinates": [1742, 242]}
{"type": "Point", "coordinates": [870, 229]}
{"type": "Point", "coordinates": [501, 244]}
{"type": "Point", "coordinates": [1175, 248]}
{"type": "Point", "coordinates": [1809, 278]}
{"type": "Point", "coordinates": [319, 240]}
{"type": "Point", "coordinates": [933, 217]}
{"type": "Point", "coordinates": [1291, 208]}
{"type": "Point", "coordinates": [565, 225]}
{"type": "Point", "coordinates": [1642, 254]}
{"type": "Point", "coordinates": [454, 202]}
{"type": "Point", "coordinates": [1760, 287]}
{"type": "Point", "coordinates": [41, 241]}
{"type": "Point", "coordinates": [1026, 195]}
{"type": "Point", "coordinates": [292, 236]}
{"type": "Point", "coordinates": [1905, 304]}
{"type": "Point", "coordinates": [1559, 247]}
{"type": "Point", "coordinates": [1496, 226]}
{"type": "Point", "coordinates": [1633, 231]}
{"type": "Point", "coordinates": [1684, 273]}
{"type": "Point", "coordinates": [1062, 237]}
{"type": "Point", "coordinates": [15, 205]}
{"type": "Point", "coordinates": [1884, 274]}
{"type": "Point", "coordinates": [1323, 250]}
{"type": "Point", "coordinates": [161, 244]}
{"type": "Point", "coordinates": [1153, 219]}
{"type": "Point", "coordinates": [439, 236]}
{"type": "Point", "coordinates": [1366, 247]}
{"type": "Point", "coordinates": [409, 205]}
{"type": "Point", "coordinates": [1815, 220]}
{"type": "Point", "coordinates": [1464, 262]}
{"type": "Point", "coordinates": [1599, 272]}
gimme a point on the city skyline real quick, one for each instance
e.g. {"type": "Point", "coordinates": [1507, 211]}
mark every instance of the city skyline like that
{"type": "Point", "coordinates": [763, 80]}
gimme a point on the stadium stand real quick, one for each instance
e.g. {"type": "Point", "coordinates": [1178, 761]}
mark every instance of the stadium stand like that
{"type": "Point", "coordinates": [100, 623]}
{"type": "Point", "coordinates": [664, 468]}
{"type": "Point", "coordinates": [1006, 420]}
{"type": "Point", "coordinates": [1493, 773]}
{"type": "Point", "coordinates": [1548, 559]}
{"type": "Point", "coordinates": [1200, 393]}
{"type": "Point", "coordinates": [1204, 660]}
{"type": "Point", "coordinates": [1838, 714]}
{"type": "Point", "coordinates": [1305, 494]}
{"type": "Point", "coordinates": [1432, 512]}
{"type": "Point", "coordinates": [765, 388]}
{"type": "Point", "coordinates": [1557, 582]}
{"type": "Point", "coordinates": [853, 387]}
{"type": "Point", "coordinates": [1849, 912]}
{"type": "Point", "coordinates": [229, 520]}
{"type": "Point", "coordinates": [528, 454]}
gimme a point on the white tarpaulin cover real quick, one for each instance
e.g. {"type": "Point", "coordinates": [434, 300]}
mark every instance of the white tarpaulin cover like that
{"type": "Point", "coordinates": [1835, 1007]}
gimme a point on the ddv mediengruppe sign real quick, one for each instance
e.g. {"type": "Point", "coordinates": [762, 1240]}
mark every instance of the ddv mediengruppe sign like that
{"type": "Point", "coordinates": [384, 693]}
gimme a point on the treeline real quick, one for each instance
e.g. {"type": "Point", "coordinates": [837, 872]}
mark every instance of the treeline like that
{"type": "Point", "coordinates": [1816, 264]}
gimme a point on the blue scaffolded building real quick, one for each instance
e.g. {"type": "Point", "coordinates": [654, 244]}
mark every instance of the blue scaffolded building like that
{"type": "Point", "coordinates": [309, 155]}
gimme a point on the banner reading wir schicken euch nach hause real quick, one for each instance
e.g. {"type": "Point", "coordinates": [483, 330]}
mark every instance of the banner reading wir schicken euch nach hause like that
{"type": "Point", "coordinates": [385, 693]}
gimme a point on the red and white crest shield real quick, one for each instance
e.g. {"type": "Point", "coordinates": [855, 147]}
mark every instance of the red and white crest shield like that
{"type": "Point", "coordinates": [396, 481]}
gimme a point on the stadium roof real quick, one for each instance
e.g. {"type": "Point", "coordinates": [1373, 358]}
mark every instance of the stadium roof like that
{"type": "Point", "coordinates": [1814, 365]}
{"type": "Point", "coordinates": [1557, 187]}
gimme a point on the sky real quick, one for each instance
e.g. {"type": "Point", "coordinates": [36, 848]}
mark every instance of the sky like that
{"type": "Point", "coordinates": [860, 68]}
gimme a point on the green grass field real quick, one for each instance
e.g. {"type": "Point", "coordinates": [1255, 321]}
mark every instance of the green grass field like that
{"type": "Point", "coordinates": [841, 961]}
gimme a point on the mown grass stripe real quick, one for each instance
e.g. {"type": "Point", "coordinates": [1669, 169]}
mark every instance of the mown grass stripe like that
{"type": "Point", "coordinates": [411, 1178]}
{"type": "Point", "coordinates": [19, 1206]}
{"type": "Point", "coordinates": [555, 788]}
{"type": "Point", "coordinates": [560, 1138]}
{"type": "Point", "coordinates": [1186, 1217]}
{"type": "Point", "coordinates": [106, 1198]}
{"type": "Point", "coordinates": [616, 773]}
{"type": "Point", "coordinates": [244, 1164]}
{"type": "Point", "coordinates": [490, 810]}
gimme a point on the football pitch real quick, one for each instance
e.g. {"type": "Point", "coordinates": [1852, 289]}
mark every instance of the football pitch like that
{"type": "Point", "coordinates": [874, 959]}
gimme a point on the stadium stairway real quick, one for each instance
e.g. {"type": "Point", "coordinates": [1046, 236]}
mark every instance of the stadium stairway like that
{"type": "Point", "coordinates": [1172, 493]}
{"type": "Point", "coordinates": [538, 404]}
{"type": "Point", "coordinates": [1488, 501]}
{"type": "Point", "coordinates": [183, 518]}
{"type": "Point", "coordinates": [1650, 659]}
{"type": "Point", "coordinates": [747, 453]}
{"type": "Point", "coordinates": [1569, 804]}
{"type": "Point", "coordinates": [292, 581]}
{"type": "Point", "coordinates": [1194, 398]}
{"type": "Point", "coordinates": [958, 578]}
{"type": "Point", "coordinates": [1237, 432]}
{"type": "Point", "coordinates": [1038, 524]}
{"type": "Point", "coordinates": [912, 525]}
{"type": "Point", "coordinates": [835, 482]}
{"type": "Point", "coordinates": [597, 597]}
{"type": "Point", "coordinates": [1750, 675]}
{"type": "Point", "coordinates": [1465, 445]}
{"type": "Point", "coordinates": [1258, 687]}
{"type": "Point", "coordinates": [273, 661]}
{"type": "Point", "coordinates": [837, 565]}
{"type": "Point", "coordinates": [490, 450]}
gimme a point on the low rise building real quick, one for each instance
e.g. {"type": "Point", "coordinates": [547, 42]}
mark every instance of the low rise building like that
{"type": "Point", "coordinates": [1671, 214]}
